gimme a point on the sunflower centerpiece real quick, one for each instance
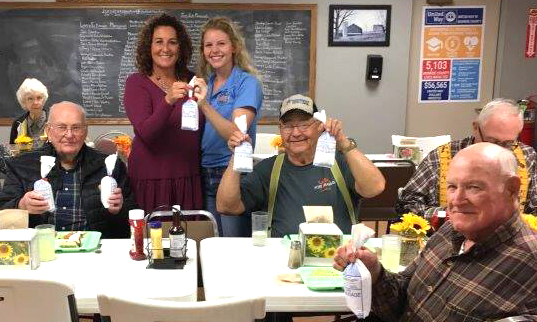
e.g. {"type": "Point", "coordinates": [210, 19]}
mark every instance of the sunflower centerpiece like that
{"type": "Point", "coordinates": [413, 230]}
{"type": "Point", "coordinates": [18, 249]}
{"type": "Point", "coordinates": [320, 242]}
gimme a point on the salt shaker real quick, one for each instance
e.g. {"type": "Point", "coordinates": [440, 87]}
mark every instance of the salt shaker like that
{"type": "Point", "coordinates": [295, 255]}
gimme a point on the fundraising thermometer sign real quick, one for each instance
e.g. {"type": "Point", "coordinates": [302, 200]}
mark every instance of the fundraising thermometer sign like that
{"type": "Point", "coordinates": [451, 54]}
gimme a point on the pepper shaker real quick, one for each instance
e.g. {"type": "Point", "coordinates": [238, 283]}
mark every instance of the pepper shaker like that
{"type": "Point", "coordinates": [295, 255]}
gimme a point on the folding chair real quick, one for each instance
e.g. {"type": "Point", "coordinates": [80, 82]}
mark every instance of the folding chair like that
{"type": "Point", "coordinates": [382, 207]}
{"type": "Point", "coordinates": [29, 299]}
{"type": "Point", "coordinates": [235, 309]}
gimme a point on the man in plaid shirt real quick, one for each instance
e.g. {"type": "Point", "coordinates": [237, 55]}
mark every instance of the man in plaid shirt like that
{"type": "Point", "coordinates": [499, 122]}
{"type": "Point", "coordinates": [75, 180]}
{"type": "Point", "coordinates": [480, 266]}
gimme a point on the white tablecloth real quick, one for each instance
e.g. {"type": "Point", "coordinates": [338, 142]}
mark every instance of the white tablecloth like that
{"type": "Point", "coordinates": [114, 271]}
{"type": "Point", "coordinates": [233, 266]}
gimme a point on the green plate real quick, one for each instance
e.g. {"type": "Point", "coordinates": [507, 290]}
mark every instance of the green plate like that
{"type": "Point", "coordinates": [321, 278]}
{"type": "Point", "coordinates": [90, 241]}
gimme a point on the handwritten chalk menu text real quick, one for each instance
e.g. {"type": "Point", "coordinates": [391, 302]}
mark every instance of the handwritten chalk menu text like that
{"type": "Point", "coordinates": [84, 54]}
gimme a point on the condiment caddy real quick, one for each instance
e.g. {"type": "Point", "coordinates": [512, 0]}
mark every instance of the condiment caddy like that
{"type": "Point", "coordinates": [161, 257]}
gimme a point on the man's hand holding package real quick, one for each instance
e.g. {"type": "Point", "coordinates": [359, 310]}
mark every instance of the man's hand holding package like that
{"type": "Point", "coordinates": [335, 128]}
{"type": "Point", "coordinates": [34, 203]}
{"type": "Point", "coordinates": [115, 201]}
{"type": "Point", "coordinates": [236, 138]}
{"type": "Point", "coordinates": [345, 255]}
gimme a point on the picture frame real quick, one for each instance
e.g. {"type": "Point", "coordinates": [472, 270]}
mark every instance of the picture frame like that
{"type": "Point", "coordinates": [123, 1]}
{"type": "Point", "coordinates": [359, 25]}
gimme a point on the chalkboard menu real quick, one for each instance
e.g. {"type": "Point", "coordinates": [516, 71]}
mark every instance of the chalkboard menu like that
{"type": "Point", "coordinates": [83, 53]}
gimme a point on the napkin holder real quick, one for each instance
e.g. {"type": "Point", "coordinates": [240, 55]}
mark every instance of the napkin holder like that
{"type": "Point", "coordinates": [319, 242]}
{"type": "Point", "coordinates": [19, 249]}
{"type": "Point", "coordinates": [407, 149]}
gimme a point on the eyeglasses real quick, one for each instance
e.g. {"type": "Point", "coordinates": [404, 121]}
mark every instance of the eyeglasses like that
{"type": "Point", "coordinates": [288, 128]}
{"type": "Point", "coordinates": [511, 145]}
{"type": "Point", "coordinates": [62, 129]}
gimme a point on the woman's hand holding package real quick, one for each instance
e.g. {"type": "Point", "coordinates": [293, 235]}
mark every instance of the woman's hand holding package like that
{"type": "Point", "coordinates": [345, 255]}
{"type": "Point", "coordinates": [177, 91]}
{"type": "Point", "coordinates": [236, 138]}
{"type": "Point", "coordinates": [200, 92]}
{"type": "Point", "coordinates": [34, 203]}
{"type": "Point", "coordinates": [115, 201]}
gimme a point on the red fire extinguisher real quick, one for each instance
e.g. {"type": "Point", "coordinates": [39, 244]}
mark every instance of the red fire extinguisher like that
{"type": "Point", "coordinates": [527, 134]}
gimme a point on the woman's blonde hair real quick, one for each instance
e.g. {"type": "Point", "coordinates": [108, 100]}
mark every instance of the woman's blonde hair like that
{"type": "Point", "coordinates": [29, 86]}
{"type": "Point", "coordinates": [241, 57]}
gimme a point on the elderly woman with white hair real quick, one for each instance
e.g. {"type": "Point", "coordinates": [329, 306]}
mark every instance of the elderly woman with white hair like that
{"type": "Point", "coordinates": [32, 95]}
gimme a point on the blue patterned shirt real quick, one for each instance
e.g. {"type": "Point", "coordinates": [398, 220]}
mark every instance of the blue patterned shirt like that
{"type": "Point", "coordinates": [69, 214]}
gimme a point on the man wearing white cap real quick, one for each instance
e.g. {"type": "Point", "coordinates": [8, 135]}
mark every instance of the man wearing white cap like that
{"type": "Point", "coordinates": [296, 180]}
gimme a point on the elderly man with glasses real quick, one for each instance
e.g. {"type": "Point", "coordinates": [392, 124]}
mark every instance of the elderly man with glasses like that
{"type": "Point", "coordinates": [500, 122]}
{"type": "Point", "coordinates": [75, 180]}
{"type": "Point", "coordinates": [296, 181]}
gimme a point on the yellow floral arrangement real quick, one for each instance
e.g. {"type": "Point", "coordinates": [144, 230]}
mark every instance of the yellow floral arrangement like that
{"type": "Point", "coordinates": [276, 141]}
{"type": "Point", "coordinates": [123, 143]}
{"type": "Point", "coordinates": [23, 140]}
{"type": "Point", "coordinates": [531, 220]}
{"type": "Point", "coordinates": [411, 225]}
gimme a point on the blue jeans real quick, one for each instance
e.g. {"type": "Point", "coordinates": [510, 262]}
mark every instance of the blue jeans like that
{"type": "Point", "coordinates": [228, 226]}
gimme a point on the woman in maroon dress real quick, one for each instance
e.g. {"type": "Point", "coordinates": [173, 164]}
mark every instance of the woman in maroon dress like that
{"type": "Point", "coordinates": [164, 164]}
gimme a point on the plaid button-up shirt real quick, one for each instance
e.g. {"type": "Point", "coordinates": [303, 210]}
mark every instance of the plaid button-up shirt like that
{"type": "Point", "coordinates": [420, 195]}
{"type": "Point", "coordinates": [69, 214]}
{"type": "Point", "coordinates": [493, 279]}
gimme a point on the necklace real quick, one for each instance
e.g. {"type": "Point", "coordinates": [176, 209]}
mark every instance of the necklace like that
{"type": "Point", "coordinates": [162, 84]}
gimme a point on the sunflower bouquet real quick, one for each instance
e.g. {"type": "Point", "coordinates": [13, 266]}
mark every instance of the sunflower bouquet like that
{"type": "Point", "coordinates": [531, 220]}
{"type": "Point", "coordinates": [413, 230]}
{"type": "Point", "coordinates": [411, 225]}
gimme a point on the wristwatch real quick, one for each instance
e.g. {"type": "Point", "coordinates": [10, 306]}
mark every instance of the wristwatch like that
{"type": "Point", "coordinates": [351, 146]}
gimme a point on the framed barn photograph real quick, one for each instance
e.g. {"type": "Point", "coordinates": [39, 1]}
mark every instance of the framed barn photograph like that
{"type": "Point", "coordinates": [359, 25]}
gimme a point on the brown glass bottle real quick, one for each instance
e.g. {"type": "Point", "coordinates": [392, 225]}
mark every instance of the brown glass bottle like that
{"type": "Point", "coordinates": [177, 235]}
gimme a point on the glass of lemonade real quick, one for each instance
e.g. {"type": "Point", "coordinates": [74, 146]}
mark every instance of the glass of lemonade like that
{"type": "Point", "coordinates": [391, 252]}
{"type": "Point", "coordinates": [46, 242]}
{"type": "Point", "coordinates": [259, 228]}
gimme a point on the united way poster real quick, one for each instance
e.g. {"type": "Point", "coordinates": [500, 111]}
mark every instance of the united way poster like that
{"type": "Point", "coordinates": [451, 54]}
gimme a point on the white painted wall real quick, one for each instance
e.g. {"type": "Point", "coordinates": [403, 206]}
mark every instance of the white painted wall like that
{"type": "Point", "coordinates": [516, 75]}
